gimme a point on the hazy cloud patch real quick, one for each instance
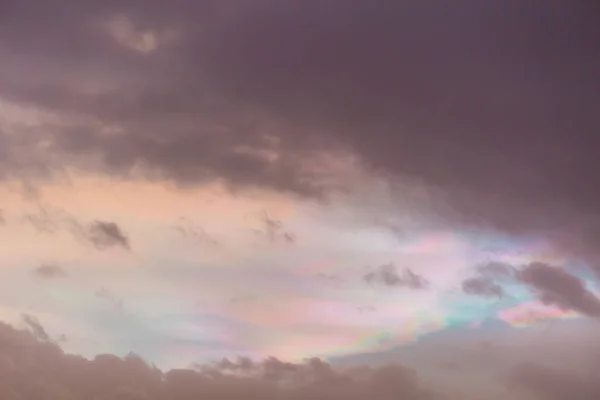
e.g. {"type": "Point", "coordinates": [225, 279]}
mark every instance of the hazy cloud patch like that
{"type": "Point", "coordinates": [484, 287]}
{"type": "Point", "coordinates": [50, 271]}
{"type": "Point", "coordinates": [389, 275]}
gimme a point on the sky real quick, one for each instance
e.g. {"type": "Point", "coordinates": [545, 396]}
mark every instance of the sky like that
{"type": "Point", "coordinates": [382, 187]}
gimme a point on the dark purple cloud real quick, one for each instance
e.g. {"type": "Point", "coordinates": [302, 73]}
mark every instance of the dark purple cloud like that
{"type": "Point", "coordinates": [551, 284]}
{"type": "Point", "coordinates": [558, 287]}
{"type": "Point", "coordinates": [487, 105]}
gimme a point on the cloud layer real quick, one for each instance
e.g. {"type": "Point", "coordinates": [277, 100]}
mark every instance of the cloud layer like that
{"type": "Point", "coordinates": [32, 366]}
{"type": "Point", "coordinates": [484, 104]}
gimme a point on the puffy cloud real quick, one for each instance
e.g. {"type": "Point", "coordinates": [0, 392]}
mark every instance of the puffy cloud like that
{"type": "Point", "coordinates": [39, 369]}
{"type": "Point", "coordinates": [31, 366]}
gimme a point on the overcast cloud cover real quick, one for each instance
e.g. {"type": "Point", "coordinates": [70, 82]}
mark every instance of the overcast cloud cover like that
{"type": "Point", "coordinates": [385, 197]}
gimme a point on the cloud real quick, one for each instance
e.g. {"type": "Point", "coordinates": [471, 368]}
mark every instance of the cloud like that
{"type": "Point", "coordinates": [556, 286]}
{"type": "Point", "coordinates": [104, 235]}
{"type": "Point", "coordinates": [36, 327]}
{"type": "Point", "coordinates": [49, 220]}
{"type": "Point", "coordinates": [50, 271]}
{"type": "Point", "coordinates": [41, 370]}
{"type": "Point", "coordinates": [484, 284]}
{"type": "Point", "coordinates": [256, 96]}
{"type": "Point", "coordinates": [388, 275]}
{"type": "Point", "coordinates": [551, 284]}
{"type": "Point", "coordinates": [31, 366]}
{"type": "Point", "coordinates": [495, 269]}
{"type": "Point", "coordinates": [187, 229]}
{"type": "Point", "coordinates": [2, 217]}
{"type": "Point", "coordinates": [274, 231]}
{"type": "Point", "coordinates": [484, 287]}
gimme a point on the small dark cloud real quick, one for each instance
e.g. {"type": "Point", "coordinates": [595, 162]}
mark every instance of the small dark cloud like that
{"type": "Point", "coordinates": [556, 286]}
{"type": "Point", "coordinates": [289, 237]}
{"type": "Point", "coordinates": [482, 286]}
{"type": "Point", "coordinates": [104, 235]}
{"type": "Point", "coordinates": [2, 217]}
{"type": "Point", "coordinates": [388, 275]}
{"type": "Point", "coordinates": [50, 271]}
{"type": "Point", "coordinates": [486, 282]}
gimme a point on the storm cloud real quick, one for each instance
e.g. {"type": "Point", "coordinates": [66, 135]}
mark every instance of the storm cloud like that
{"type": "Point", "coordinates": [486, 105]}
